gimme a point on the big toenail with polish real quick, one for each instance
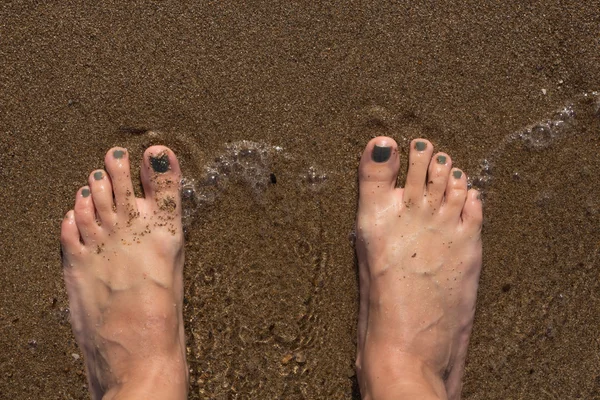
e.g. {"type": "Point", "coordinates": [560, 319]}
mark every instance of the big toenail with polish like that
{"type": "Point", "coordinates": [441, 159]}
{"type": "Point", "coordinates": [457, 174]}
{"type": "Point", "coordinates": [85, 192]}
{"type": "Point", "coordinates": [420, 146]}
{"type": "Point", "coordinates": [160, 163]}
{"type": "Point", "coordinates": [381, 154]}
{"type": "Point", "coordinates": [118, 153]}
{"type": "Point", "coordinates": [97, 175]}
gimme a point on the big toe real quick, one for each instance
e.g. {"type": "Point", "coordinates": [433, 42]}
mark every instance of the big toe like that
{"type": "Point", "coordinates": [377, 172]}
{"type": "Point", "coordinates": [161, 178]}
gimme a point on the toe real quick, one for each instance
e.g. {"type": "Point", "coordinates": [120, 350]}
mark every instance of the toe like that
{"type": "Point", "coordinates": [437, 179]}
{"type": "Point", "coordinates": [456, 193]}
{"type": "Point", "coordinates": [378, 171]}
{"type": "Point", "coordinates": [161, 178]}
{"type": "Point", "coordinates": [85, 216]}
{"type": "Point", "coordinates": [117, 165]}
{"type": "Point", "coordinates": [472, 212]}
{"type": "Point", "coordinates": [102, 196]}
{"type": "Point", "coordinates": [70, 239]}
{"type": "Point", "coordinates": [418, 163]}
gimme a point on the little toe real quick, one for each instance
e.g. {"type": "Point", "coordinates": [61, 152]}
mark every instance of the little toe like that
{"type": "Point", "coordinates": [378, 171]}
{"type": "Point", "coordinates": [456, 193]}
{"type": "Point", "coordinates": [70, 239]}
{"type": "Point", "coordinates": [117, 165]}
{"type": "Point", "coordinates": [102, 194]}
{"type": "Point", "coordinates": [472, 212]}
{"type": "Point", "coordinates": [85, 215]}
{"type": "Point", "coordinates": [418, 162]}
{"type": "Point", "coordinates": [437, 179]}
{"type": "Point", "coordinates": [161, 178]}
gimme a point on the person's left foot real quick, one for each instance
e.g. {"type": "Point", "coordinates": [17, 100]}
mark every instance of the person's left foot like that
{"type": "Point", "coordinates": [123, 269]}
{"type": "Point", "coordinates": [419, 253]}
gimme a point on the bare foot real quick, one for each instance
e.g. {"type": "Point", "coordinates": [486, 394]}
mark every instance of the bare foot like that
{"type": "Point", "coordinates": [123, 269]}
{"type": "Point", "coordinates": [419, 255]}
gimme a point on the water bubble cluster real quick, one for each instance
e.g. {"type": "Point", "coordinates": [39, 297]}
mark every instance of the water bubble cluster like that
{"type": "Point", "coordinates": [244, 162]}
{"type": "Point", "coordinates": [537, 137]}
{"type": "Point", "coordinates": [483, 179]}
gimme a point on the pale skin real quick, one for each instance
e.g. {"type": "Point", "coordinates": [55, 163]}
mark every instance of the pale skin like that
{"type": "Point", "coordinates": [419, 253]}
{"type": "Point", "coordinates": [419, 256]}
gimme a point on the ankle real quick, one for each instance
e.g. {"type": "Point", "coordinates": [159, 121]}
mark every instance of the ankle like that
{"type": "Point", "coordinates": [166, 379]}
{"type": "Point", "coordinates": [408, 378]}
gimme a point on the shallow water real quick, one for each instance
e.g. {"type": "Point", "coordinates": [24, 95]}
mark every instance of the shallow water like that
{"type": "Point", "coordinates": [286, 258]}
{"type": "Point", "coordinates": [561, 124]}
{"type": "Point", "coordinates": [268, 106]}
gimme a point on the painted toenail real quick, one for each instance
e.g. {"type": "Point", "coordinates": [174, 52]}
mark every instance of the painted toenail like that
{"type": "Point", "coordinates": [85, 192]}
{"type": "Point", "coordinates": [420, 146]}
{"type": "Point", "coordinates": [381, 154]}
{"type": "Point", "coordinates": [118, 153]}
{"type": "Point", "coordinates": [98, 175]}
{"type": "Point", "coordinates": [457, 174]}
{"type": "Point", "coordinates": [160, 163]}
{"type": "Point", "coordinates": [441, 159]}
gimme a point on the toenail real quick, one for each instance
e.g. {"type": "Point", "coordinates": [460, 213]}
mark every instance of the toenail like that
{"type": "Point", "coordinates": [118, 153]}
{"type": "Point", "coordinates": [98, 175]}
{"type": "Point", "coordinates": [457, 174]}
{"type": "Point", "coordinates": [85, 192]}
{"type": "Point", "coordinates": [160, 163]}
{"type": "Point", "coordinates": [381, 154]}
{"type": "Point", "coordinates": [441, 159]}
{"type": "Point", "coordinates": [420, 146]}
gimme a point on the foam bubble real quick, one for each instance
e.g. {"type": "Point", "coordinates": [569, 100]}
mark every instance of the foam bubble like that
{"type": "Point", "coordinates": [542, 134]}
{"type": "Point", "coordinates": [314, 176]}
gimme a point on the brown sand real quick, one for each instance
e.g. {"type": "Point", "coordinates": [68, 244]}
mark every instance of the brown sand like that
{"type": "Point", "coordinates": [271, 287]}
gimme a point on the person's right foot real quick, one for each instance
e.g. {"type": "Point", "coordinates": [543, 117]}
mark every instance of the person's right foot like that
{"type": "Point", "coordinates": [419, 255]}
{"type": "Point", "coordinates": [123, 269]}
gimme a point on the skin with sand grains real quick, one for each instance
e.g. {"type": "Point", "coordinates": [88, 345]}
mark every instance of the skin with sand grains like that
{"type": "Point", "coordinates": [123, 263]}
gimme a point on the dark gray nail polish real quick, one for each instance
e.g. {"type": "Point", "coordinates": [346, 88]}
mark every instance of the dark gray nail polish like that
{"type": "Point", "coordinates": [381, 154]}
{"type": "Point", "coordinates": [98, 175]}
{"type": "Point", "coordinates": [457, 174]}
{"type": "Point", "coordinates": [160, 163]}
{"type": "Point", "coordinates": [118, 153]}
{"type": "Point", "coordinates": [420, 146]}
{"type": "Point", "coordinates": [441, 159]}
{"type": "Point", "coordinates": [85, 192]}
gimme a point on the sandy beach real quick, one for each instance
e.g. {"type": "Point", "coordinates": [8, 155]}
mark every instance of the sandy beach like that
{"type": "Point", "coordinates": [268, 106]}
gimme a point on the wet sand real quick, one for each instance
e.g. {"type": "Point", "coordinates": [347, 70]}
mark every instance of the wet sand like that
{"type": "Point", "coordinates": [269, 106]}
